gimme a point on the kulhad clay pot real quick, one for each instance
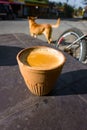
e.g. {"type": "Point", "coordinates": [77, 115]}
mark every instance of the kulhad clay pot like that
{"type": "Point", "coordinates": [40, 80]}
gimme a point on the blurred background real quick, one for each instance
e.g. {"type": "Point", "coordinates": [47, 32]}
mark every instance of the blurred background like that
{"type": "Point", "coordinates": [12, 9]}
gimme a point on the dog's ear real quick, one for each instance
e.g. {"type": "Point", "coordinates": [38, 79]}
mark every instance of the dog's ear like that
{"type": "Point", "coordinates": [31, 18]}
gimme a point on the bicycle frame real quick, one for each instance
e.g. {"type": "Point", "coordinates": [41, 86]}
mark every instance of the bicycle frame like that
{"type": "Point", "coordinates": [76, 41]}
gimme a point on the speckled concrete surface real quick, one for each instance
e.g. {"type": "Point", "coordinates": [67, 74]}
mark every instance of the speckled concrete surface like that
{"type": "Point", "coordinates": [65, 108]}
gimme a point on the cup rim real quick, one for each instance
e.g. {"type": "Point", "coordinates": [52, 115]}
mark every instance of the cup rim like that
{"type": "Point", "coordinates": [40, 68]}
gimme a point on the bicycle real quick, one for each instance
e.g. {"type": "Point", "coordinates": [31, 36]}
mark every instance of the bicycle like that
{"type": "Point", "coordinates": [74, 42]}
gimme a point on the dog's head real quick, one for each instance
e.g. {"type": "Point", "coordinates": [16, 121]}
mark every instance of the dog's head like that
{"type": "Point", "coordinates": [32, 18]}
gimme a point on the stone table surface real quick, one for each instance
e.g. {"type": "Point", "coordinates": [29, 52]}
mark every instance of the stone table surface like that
{"type": "Point", "coordinates": [65, 108]}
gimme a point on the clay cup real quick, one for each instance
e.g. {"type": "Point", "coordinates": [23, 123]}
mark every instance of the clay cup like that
{"type": "Point", "coordinates": [40, 80]}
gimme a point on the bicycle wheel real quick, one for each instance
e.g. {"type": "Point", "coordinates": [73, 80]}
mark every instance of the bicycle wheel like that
{"type": "Point", "coordinates": [78, 49]}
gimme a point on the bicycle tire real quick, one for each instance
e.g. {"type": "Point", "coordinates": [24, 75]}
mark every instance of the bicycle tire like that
{"type": "Point", "coordinates": [82, 43]}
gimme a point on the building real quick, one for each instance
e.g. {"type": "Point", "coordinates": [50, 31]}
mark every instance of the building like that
{"type": "Point", "coordinates": [24, 8]}
{"type": "Point", "coordinates": [16, 5]}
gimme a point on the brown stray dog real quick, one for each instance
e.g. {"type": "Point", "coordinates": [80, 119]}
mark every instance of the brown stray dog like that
{"type": "Point", "coordinates": [38, 29]}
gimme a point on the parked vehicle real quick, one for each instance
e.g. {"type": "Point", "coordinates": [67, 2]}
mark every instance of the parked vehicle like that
{"type": "Point", "coordinates": [6, 12]}
{"type": "Point", "coordinates": [85, 14]}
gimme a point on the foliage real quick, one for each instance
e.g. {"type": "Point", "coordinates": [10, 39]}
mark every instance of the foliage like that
{"type": "Point", "coordinates": [37, 1]}
{"type": "Point", "coordinates": [68, 10]}
{"type": "Point", "coordinates": [78, 12]}
{"type": "Point", "coordinates": [59, 4]}
{"type": "Point", "coordinates": [85, 2]}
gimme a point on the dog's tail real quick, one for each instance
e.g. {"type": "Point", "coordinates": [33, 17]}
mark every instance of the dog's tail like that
{"type": "Point", "coordinates": [57, 24]}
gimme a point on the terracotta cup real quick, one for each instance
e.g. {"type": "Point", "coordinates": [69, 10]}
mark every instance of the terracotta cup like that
{"type": "Point", "coordinates": [40, 80]}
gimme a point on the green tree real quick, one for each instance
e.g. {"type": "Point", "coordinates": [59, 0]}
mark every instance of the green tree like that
{"type": "Point", "coordinates": [85, 2]}
{"type": "Point", "coordinates": [59, 4]}
{"type": "Point", "coordinates": [38, 1]}
{"type": "Point", "coordinates": [68, 10]}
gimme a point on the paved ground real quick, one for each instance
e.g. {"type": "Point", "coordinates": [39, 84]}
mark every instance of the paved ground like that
{"type": "Point", "coordinates": [65, 108]}
{"type": "Point", "coordinates": [21, 26]}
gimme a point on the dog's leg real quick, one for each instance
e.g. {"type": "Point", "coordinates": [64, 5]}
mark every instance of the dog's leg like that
{"type": "Point", "coordinates": [50, 40]}
{"type": "Point", "coordinates": [33, 35]}
{"type": "Point", "coordinates": [47, 33]}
